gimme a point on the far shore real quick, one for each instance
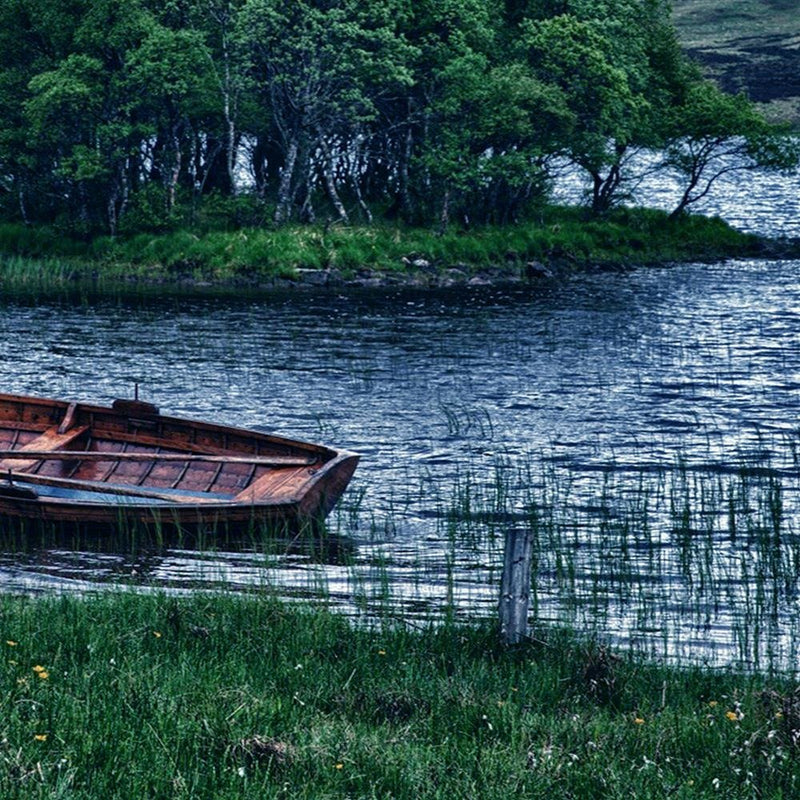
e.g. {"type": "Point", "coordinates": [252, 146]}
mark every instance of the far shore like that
{"type": "Point", "coordinates": [561, 242]}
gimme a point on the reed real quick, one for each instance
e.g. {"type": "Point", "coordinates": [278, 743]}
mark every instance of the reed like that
{"type": "Point", "coordinates": [696, 562]}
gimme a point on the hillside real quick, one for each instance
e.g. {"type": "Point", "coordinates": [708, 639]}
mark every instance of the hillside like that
{"type": "Point", "coordinates": [747, 45]}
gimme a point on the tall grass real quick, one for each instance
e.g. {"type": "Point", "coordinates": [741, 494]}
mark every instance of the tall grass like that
{"type": "Point", "coordinates": [695, 563]}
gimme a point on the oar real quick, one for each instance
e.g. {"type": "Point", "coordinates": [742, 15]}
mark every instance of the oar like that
{"type": "Point", "coordinates": [12, 485]}
{"type": "Point", "coordinates": [95, 455]}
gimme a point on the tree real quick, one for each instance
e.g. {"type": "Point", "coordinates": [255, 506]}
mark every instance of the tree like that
{"type": "Point", "coordinates": [168, 79]}
{"type": "Point", "coordinates": [619, 66]}
{"type": "Point", "coordinates": [47, 30]}
{"type": "Point", "coordinates": [80, 116]}
{"type": "Point", "coordinates": [321, 68]}
{"type": "Point", "coordinates": [715, 134]}
{"type": "Point", "coordinates": [492, 128]}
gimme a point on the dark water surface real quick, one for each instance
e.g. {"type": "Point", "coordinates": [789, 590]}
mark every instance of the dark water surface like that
{"type": "Point", "coordinates": [604, 396]}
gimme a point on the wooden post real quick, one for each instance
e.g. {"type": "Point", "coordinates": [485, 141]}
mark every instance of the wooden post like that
{"type": "Point", "coordinates": [515, 587]}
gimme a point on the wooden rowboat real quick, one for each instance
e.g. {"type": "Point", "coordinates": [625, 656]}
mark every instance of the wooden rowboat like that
{"type": "Point", "coordinates": [72, 463]}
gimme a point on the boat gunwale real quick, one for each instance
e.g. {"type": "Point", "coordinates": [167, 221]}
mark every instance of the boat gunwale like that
{"type": "Point", "coordinates": [189, 422]}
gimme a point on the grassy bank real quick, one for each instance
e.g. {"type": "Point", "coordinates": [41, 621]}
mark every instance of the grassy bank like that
{"type": "Point", "coordinates": [561, 239]}
{"type": "Point", "coordinates": [137, 696]}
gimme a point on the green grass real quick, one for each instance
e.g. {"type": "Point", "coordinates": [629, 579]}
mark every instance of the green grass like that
{"type": "Point", "coordinates": [562, 237]}
{"type": "Point", "coordinates": [126, 696]}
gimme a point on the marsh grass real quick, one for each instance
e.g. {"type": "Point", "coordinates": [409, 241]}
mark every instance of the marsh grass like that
{"type": "Point", "coordinates": [690, 562]}
{"type": "Point", "coordinates": [693, 562]}
{"type": "Point", "coordinates": [219, 696]}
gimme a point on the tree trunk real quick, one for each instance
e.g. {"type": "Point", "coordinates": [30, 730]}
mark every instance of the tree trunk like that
{"type": "Point", "coordinates": [360, 198]}
{"type": "Point", "coordinates": [112, 213]}
{"type": "Point", "coordinates": [285, 187]}
{"type": "Point", "coordinates": [230, 124]}
{"type": "Point", "coordinates": [217, 177]}
{"type": "Point", "coordinates": [405, 181]}
{"type": "Point", "coordinates": [22, 208]}
{"type": "Point", "coordinates": [604, 189]}
{"type": "Point", "coordinates": [444, 219]}
{"type": "Point", "coordinates": [330, 182]}
{"type": "Point", "coordinates": [266, 162]}
{"type": "Point", "coordinates": [175, 173]}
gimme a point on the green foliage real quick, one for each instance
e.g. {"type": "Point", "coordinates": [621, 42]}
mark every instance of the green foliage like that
{"type": "Point", "coordinates": [147, 211]}
{"type": "Point", "coordinates": [712, 134]}
{"type": "Point", "coordinates": [619, 68]}
{"type": "Point", "coordinates": [118, 116]}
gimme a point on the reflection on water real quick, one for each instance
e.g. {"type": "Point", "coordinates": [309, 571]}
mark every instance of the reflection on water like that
{"type": "Point", "coordinates": [594, 410]}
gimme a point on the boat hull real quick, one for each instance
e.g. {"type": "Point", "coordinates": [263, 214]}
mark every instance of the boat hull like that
{"type": "Point", "coordinates": [128, 465]}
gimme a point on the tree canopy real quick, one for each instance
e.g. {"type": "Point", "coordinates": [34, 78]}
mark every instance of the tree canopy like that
{"type": "Point", "coordinates": [130, 114]}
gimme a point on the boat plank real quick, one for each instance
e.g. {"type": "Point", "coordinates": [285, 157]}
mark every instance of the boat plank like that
{"type": "Point", "coordinates": [99, 487]}
{"type": "Point", "coordinates": [32, 427]}
{"type": "Point", "coordinates": [276, 485]}
{"type": "Point", "coordinates": [30, 451]}
{"type": "Point", "coordinates": [183, 443]}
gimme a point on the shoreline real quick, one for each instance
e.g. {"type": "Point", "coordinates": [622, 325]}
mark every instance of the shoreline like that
{"type": "Point", "coordinates": [562, 243]}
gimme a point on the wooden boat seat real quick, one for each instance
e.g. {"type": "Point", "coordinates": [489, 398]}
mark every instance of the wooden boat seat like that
{"type": "Point", "coordinates": [51, 439]}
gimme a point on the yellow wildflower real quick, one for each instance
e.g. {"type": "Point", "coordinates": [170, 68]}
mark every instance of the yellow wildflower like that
{"type": "Point", "coordinates": [381, 652]}
{"type": "Point", "coordinates": [11, 643]}
{"type": "Point", "coordinates": [638, 721]}
{"type": "Point", "coordinates": [43, 675]}
{"type": "Point", "coordinates": [40, 737]}
{"type": "Point", "coordinates": [38, 668]}
{"type": "Point", "coordinates": [339, 765]}
{"type": "Point", "coordinates": [732, 716]}
{"type": "Point", "coordinates": [157, 634]}
{"type": "Point", "coordinates": [713, 703]}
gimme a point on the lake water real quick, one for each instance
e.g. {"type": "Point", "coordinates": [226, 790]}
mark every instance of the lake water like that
{"type": "Point", "coordinates": [611, 410]}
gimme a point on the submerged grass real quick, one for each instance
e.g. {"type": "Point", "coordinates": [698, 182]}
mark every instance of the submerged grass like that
{"type": "Point", "coordinates": [693, 562]}
{"type": "Point", "coordinates": [216, 696]}
{"type": "Point", "coordinates": [560, 237]}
